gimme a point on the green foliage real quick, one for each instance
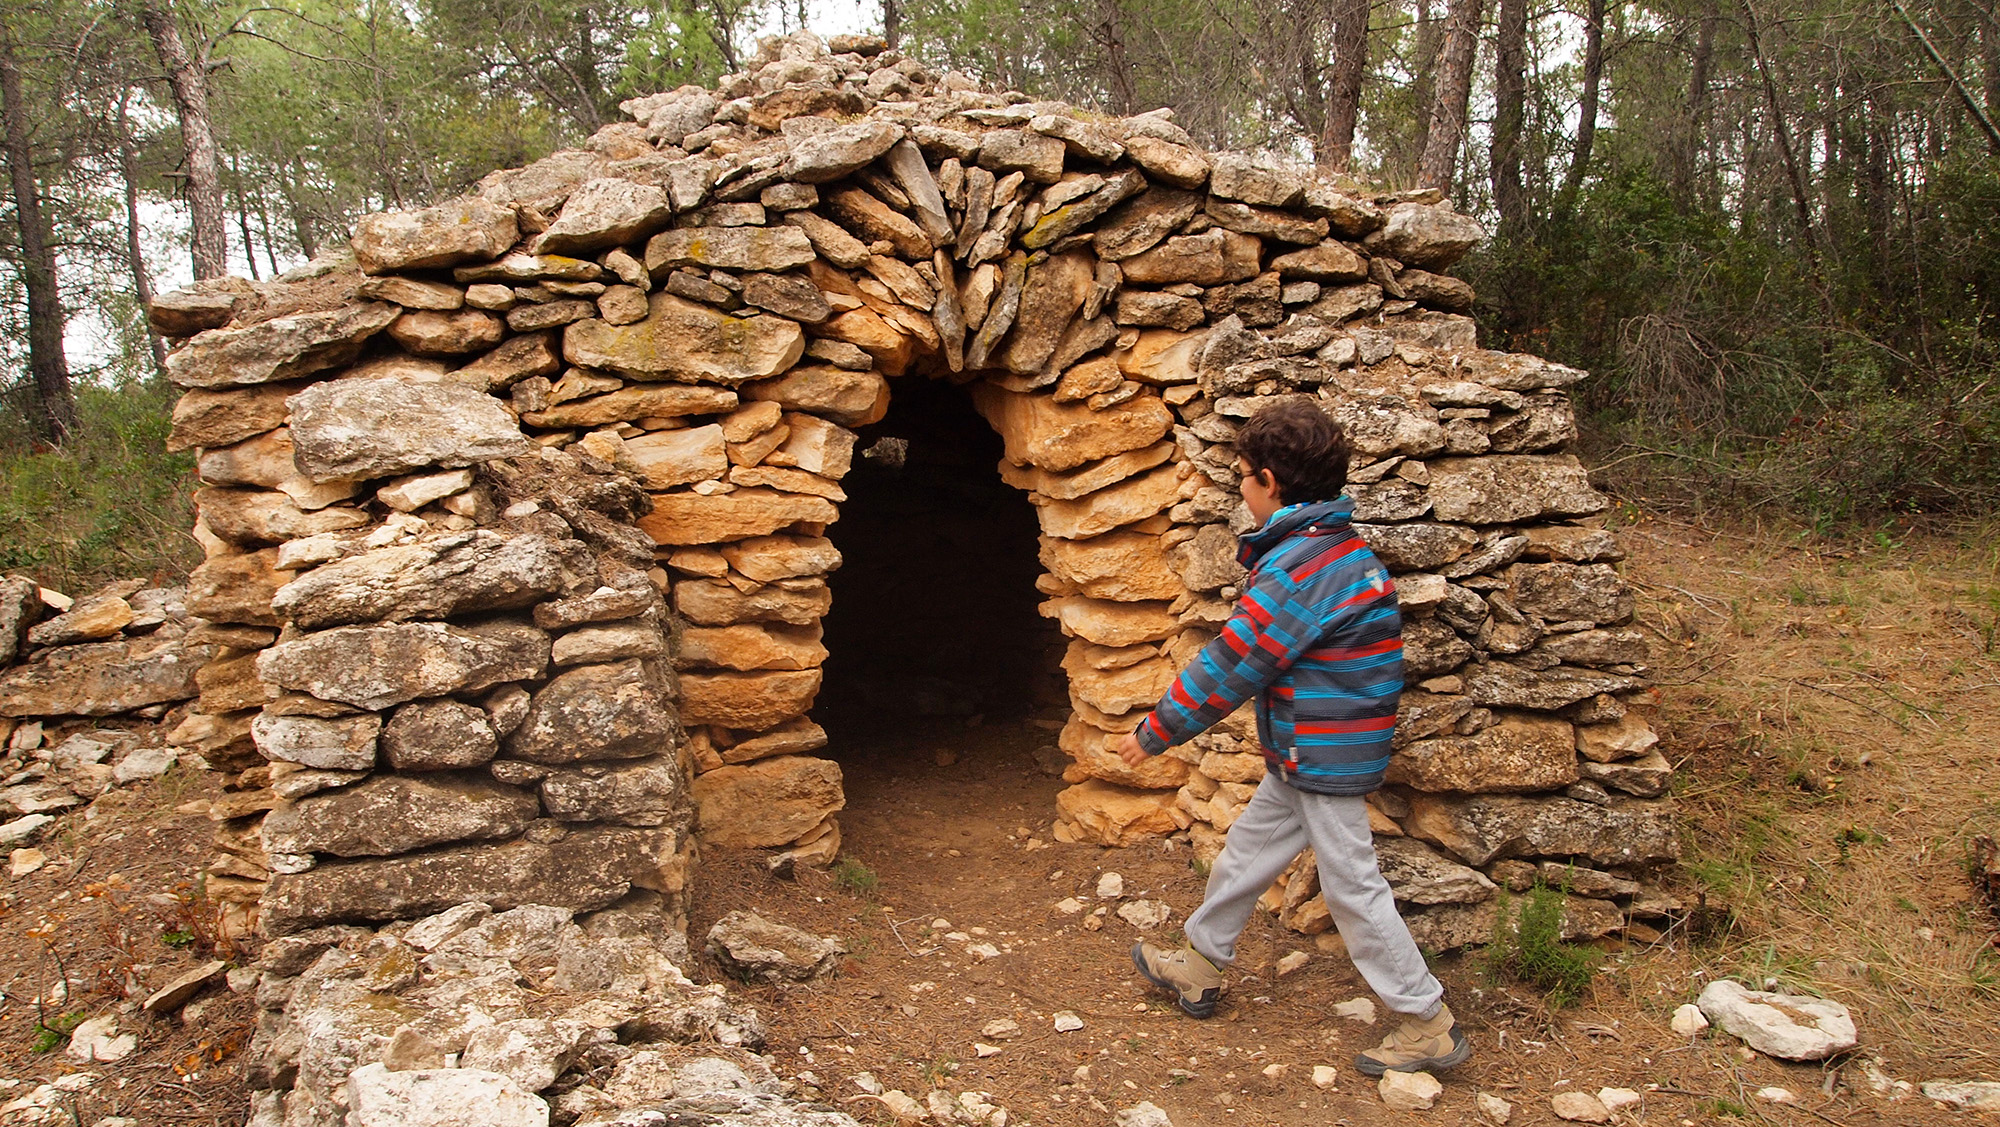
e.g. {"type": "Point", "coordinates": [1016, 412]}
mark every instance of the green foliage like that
{"type": "Point", "coordinates": [855, 877]}
{"type": "Point", "coordinates": [1528, 947]}
{"type": "Point", "coordinates": [53, 1035]}
{"type": "Point", "coordinates": [177, 938]}
{"type": "Point", "coordinates": [110, 504]}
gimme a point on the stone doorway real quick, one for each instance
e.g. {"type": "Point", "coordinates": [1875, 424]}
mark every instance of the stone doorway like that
{"type": "Point", "coordinates": [934, 620]}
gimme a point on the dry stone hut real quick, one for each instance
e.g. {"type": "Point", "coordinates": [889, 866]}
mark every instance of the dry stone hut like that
{"type": "Point", "coordinates": [518, 542]}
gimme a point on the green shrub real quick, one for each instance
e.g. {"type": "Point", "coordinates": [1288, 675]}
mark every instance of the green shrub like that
{"type": "Point", "coordinates": [1528, 946]}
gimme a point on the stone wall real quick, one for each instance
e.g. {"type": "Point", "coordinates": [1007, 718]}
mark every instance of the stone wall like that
{"type": "Point", "coordinates": [416, 515]}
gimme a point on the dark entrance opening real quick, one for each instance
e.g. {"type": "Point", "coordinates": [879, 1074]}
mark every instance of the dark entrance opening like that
{"type": "Point", "coordinates": [934, 620]}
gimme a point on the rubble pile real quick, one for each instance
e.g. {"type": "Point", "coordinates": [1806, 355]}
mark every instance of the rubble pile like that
{"type": "Point", "coordinates": [456, 629]}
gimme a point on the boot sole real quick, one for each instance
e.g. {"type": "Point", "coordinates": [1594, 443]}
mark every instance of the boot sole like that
{"type": "Point", "coordinates": [1198, 1008]}
{"type": "Point", "coordinates": [1460, 1050]}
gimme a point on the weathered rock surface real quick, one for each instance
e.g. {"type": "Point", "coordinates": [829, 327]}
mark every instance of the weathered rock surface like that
{"type": "Point", "coordinates": [279, 349]}
{"type": "Point", "coordinates": [104, 678]}
{"type": "Point", "coordinates": [596, 712]}
{"type": "Point", "coordinates": [362, 428]}
{"type": "Point", "coordinates": [680, 340]}
{"type": "Point", "coordinates": [433, 577]}
{"type": "Point", "coordinates": [466, 229]}
{"type": "Point", "coordinates": [1788, 1026]}
{"type": "Point", "coordinates": [758, 950]}
{"type": "Point", "coordinates": [767, 803]}
{"type": "Point", "coordinates": [378, 666]}
{"type": "Point", "coordinates": [392, 814]}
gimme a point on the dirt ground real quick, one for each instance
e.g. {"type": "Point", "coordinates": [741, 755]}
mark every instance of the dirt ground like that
{"type": "Point", "coordinates": [1830, 710]}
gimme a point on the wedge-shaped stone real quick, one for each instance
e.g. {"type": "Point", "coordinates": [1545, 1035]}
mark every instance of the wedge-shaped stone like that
{"type": "Point", "coordinates": [767, 803]}
{"type": "Point", "coordinates": [676, 457]}
{"type": "Point", "coordinates": [1505, 684]}
{"type": "Point", "coordinates": [1062, 436]}
{"type": "Point", "coordinates": [1112, 624]}
{"type": "Point", "coordinates": [871, 220]}
{"type": "Point", "coordinates": [1180, 165]}
{"type": "Point", "coordinates": [1052, 294]}
{"type": "Point", "coordinates": [596, 712]}
{"type": "Point", "coordinates": [1419, 874]}
{"type": "Point", "coordinates": [1127, 502]}
{"type": "Point", "coordinates": [650, 792]}
{"type": "Point", "coordinates": [1562, 592]}
{"type": "Point", "coordinates": [1118, 566]}
{"type": "Point", "coordinates": [467, 229]}
{"type": "Point", "coordinates": [518, 358]}
{"type": "Point", "coordinates": [752, 701]}
{"type": "Point", "coordinates": [1139, 224]}
{"type": "Point", "coordinates": [429, 332]}
{"type": "Point", "coordinates": [1282, 226]}
{"type": "Point", "coordinates": [1627, 737]}
{"type": "Point", "coordinates": [279, 349]}
{"type": "Point", "coordinates": [221, 418]}
{"type": "Point", "coordinates": [751, 647]}
{"type": "Point", "coordinates": [1330, 261]}
{"type": "Point", "coordinates": [589, 869]}
{"type": "Point", "coordinates": [719, 604]}
{"type": "Point", "coordinates": [1518, 754]}
{"type": "Point", "coordinates": [768, 249]}
{"type": "Point", "coordinates": [104, 678]}
{"type": "Point", "coordinates": [1105, 814]}
{"type": "Point", "coordinates": [681, 340]}
{"type": "Point", "coordinates": [375, 667]}
{"type": "Point", "coordinates": [1093, 756]}
{"type": "Point", "coordinates": [690, 518]}
{"type": "Point", "coordinates": [853, 399]}
{"type": "Point", "coordinates": [356, 429]}
{"type": "Point", "coordinates": [1069, 485]}
{"type": "Point", "coordinates": [606, 213]}
{"type": "Point", "coordinates": [768, 558]}
{"type": "Point", "coordinates": [1483, 828]}
{"type": "Point", "coordinates": [1133, 687]}
{"type": "Point", "coordinates": [1512, 488]}
{"type": "Point", "coordinates": [1421, 546]}
{"type": "Point", "coordinates": [392, 814]}
{"type": "Point", "coordinates": [436, 576]}
{"type": "Point", "coordinates": [659, 401]}
{"type": "Point", "coordinates": [268, 460]}
{"type": "Point", "coordinates": [1255, 180]}
{"type": "Point", "coordinates": [255, 517]}
{"type": "Point", "coordinates": [617, 641]}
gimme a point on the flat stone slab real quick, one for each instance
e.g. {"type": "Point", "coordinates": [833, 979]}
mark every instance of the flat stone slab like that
{"type": "Point", "coordinates": [1788, 1026]}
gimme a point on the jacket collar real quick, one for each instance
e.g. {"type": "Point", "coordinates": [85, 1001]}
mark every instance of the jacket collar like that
{"type": "Point", "coordinates": [1309, 516]}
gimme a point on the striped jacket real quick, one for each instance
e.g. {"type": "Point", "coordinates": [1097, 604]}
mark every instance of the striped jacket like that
{"type": "Point", "coordinates": [1318, 639]}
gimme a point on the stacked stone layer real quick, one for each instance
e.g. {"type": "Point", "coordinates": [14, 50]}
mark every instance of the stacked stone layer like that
{"type": "Point", "coordinates": [711, 299]}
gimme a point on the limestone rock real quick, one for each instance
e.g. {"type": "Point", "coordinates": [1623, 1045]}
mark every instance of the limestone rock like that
{"type": "Point", "coordinates": [434, 576]}
{"type": "Point", "coordinates": [1409, 1091]}
{"type": "Point", "coordinates": [375, 667]}
{"type": "Point", "coordinates": [1055, 436]}
{"type": "Point", "coordinates": [589, 869]}
{"type": "Point", "coordinates": [751, 701]}
{"type": "Point", "coordinates": [1208, 259]}
{"type": "Point", "coordinates": [1518, 753]}
{"type": "Point", "coordinates": [1128, 502]}
{"type": "Point", "coordinates": [104, 678]}
{"type": "Point", "coordinates": [682, 340]}
{"type": "Point", "coordinates": [1579, 1107]}
{"type": "Point", "coordinates": [427, 332]}
{"type": "Point", "coordinates": [852, 399]}
{"type": "Point", "coordinates": [1117, 566]}
{"type": "Point", "coordinates": [755, 949]}
{"type": "Point", "coordinates": [1627, 737]}
{"type": "Point", "coordinates": [1418, 874]}
{"type": "Point", "coordinates": [769, 249]}
{"type": "Point", "coordinates": [436, 735]}
{"type": "Point", "coordinates": [362, 428]}
{"type": "Point", "coordinates": [1105, 814]}
{"type": "Point", "coordinates": [1426, 236]}
{"type": "Point", "coordinates": [751, 647]}
{"type": "Point", "coordinates": [605, 213]}
{"type": "Point", "coordinates": [1506, 684]}
{"type": "Point", "coordinates": [719, 604]}
{"type": "Point", "coordinates": [88, 620]}
{"type": "Point", "coordinates": [1787, 1026]}
{"type": "Point", "coordinates": [1112, 624]}
{"type": "Point", "coordinates": [690, 518]}
{"type": "Point", "coordinates": [1511, 488]}
{"type": "Point", "coordinates": [227, 416]}
{"type": "Point", "coordinates": [1088, 478]}
{"type": "Point", "coordinates": [767, 803]}
{"type": "Point", "coordinates": [279, 349]}
{"type": "Point", "coordinates": [650, 792]}
{"type": "Point", "coordinates": [256, 517]}
{"type": "Point", "coordinates": [531, 1052]}
{"type": "Point", "coordinates": [466, 229]}
{"type": "Point", "coordinates": [626, 404]}
{"type": "Point", "coordinates": [1484, 828]}
{"type": "Point", "coordinates": [677, 457]}
{"type": "Point", "coordinates": [393, 814]}
{"type": "Point", "coordinates": [1564, 592]}
{"type": "Point", "coordinates": [768, 558]}
{"type": "Point", "coordinates": [822, 151]}
{"type": "Point", "coordinates": [595, 712]}
{"type": "Point", "coordinates": [339, 743]}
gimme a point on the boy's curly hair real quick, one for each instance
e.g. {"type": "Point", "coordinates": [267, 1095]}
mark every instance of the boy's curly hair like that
{"type": "Point", "coordinates": [1302, 446]}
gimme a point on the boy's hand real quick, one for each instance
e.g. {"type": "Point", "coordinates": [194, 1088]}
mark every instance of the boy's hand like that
{"type": "Point", "coordinates": [1130, 751]}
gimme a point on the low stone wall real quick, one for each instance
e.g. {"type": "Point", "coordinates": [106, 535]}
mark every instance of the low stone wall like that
{"type": "Point", "coordinates": [710, 299]}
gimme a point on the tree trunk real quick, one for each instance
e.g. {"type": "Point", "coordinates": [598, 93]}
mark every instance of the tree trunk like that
{"type": "Point", "coordinates": [189, 79]}
{"type": "Point", "coordinates": [1782, 128]}
{"type": "Point", "coordinates": [1510, 95]}
{"type": "Point", "coordinates": [53, 414]}
{"type": "Point", "coordinates": [1586, 110]}
{"type": "Point", "coordinates": [892, 24]}
{"type": "Point", "coordinates": [1343, 108]}
{"type": "Point", "coordinates": [1423, 88]}
{"type": "Point", "coordinates": [1439, 165]}
{"type": "Point", "coordinates": [1989, 45]}
{"type": "Point", "coordinates": [1112, 33]}
{"type": "Point", "coordinates": [142, 282]}
{"type": "Point", "coordinates": [1694, 130]}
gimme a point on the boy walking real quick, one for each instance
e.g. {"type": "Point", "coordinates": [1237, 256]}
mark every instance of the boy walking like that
{"type": "Point", "coordinates": [1316, 637]}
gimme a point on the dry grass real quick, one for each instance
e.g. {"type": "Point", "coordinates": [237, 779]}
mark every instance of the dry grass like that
{"type": "Point", "coordinates": [1833, 709]}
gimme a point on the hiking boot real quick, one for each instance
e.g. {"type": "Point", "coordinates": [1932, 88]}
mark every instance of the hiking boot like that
{"type": "Point", "coordinates": [1417, 1045]}
{"type": "Point", "coordinates": [1195, 981]}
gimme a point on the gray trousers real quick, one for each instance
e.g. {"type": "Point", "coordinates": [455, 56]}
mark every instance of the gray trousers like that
{"type": "Point", "coordinates": [1274, 829]}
